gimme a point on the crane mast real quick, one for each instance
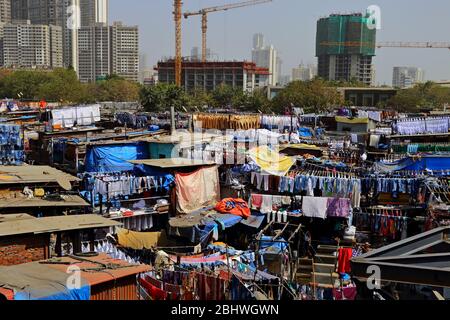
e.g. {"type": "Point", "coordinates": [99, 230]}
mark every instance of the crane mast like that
{"type": "Point", "coordinates": [178, 52]}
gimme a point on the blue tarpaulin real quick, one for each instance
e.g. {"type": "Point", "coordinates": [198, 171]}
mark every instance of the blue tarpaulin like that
{"type": "Point", "coordinates": [83, 293]}
{"type": "Point", "coordinates": [267, 244]}
{"type": "Point", "coordinates": [114, 158]}
{"type": "Point", "coordinates": [430, 163]}
{"type": "Point", "coordinates": [305, 132]}
{"type": "Point", "coordinates": [433, 163]}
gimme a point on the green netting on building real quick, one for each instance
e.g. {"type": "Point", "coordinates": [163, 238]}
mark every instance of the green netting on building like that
{"type": "Point", "coordinates": [345, 34]}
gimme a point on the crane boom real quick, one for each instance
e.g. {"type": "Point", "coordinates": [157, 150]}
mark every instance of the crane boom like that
{"type": "Point", "coordinates": [205, 11]}
{"type": "Point", "coordinates": [225, 7]}
{"type": "Point", "coordinates": [419, 45]}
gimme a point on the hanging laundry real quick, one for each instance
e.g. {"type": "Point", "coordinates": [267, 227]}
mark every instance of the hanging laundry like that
{"type": "Point", "coordinates": [344, 257]}
{"type": "Point", "coordinates": [338, 207]}
{"type": "Point", "coordinates": [197, 190]}
{"type": "Point", "coordinates": [315, 207]}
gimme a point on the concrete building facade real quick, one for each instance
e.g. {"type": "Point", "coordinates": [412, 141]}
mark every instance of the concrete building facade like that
{"type": "Point", "coordinates": [32, 46]}
{"type": "Point", "coordinates": [208, 76]}
{"type": "Point", "coordinates": [104, 50]}
{"type": "Point", "coordinates": [94, 53]}
{"type": "Point", "coordinates": [59, 13]}
{"type": "Point", "coordinates": [125, 51]}
{"type": "Point", "coordinates": [5, 11]}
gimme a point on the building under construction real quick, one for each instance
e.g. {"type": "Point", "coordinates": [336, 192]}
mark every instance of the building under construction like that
{"type": "Point", "coordinates": [209, 75]}
{"type": "Point", "coordinates": [345, 47]}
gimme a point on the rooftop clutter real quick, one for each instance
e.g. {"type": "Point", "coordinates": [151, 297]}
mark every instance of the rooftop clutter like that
{"type": "Point", "coordinates": [266, 207]}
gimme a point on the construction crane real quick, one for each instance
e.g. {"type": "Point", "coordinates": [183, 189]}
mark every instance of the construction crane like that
{"type": "Point", "coordinates": [419, 45]}
{"type": "Point", "coordinates": [177, 13]}
{"type": "Point", "coordinates": [204, 13]}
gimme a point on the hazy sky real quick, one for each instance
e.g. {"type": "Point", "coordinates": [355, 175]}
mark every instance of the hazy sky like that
{"type": "Point", "coordinates": [290, 25]}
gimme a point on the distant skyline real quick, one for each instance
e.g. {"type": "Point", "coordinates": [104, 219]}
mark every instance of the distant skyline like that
{"type": "Point", "coordinates": [290, 25]}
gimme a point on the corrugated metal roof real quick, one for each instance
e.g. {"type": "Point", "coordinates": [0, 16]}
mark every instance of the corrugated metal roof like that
{"type": "Point", "coordinates": [68, 201]}
{"type": "Point", "coordinates": [54, 224]}
{"type": "Point", "coordinates": [35, 174]}
{"type": "Point", "coordinates": [94, 270]}
{"type": "Point", "coordinates": [183, 137]}
{"type": "Point", "coordinates": [173, 163]}
{"type": "Point", "coordinates": [15, 217]}
{"type": "Point", "coordinates": [98, 277]}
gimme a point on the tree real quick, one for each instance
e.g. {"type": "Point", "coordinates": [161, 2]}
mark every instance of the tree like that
{"type": "Point", "coordinates": [424, 95]}
{"type": "Point", "coordinates": [62, 85]}
{"type": "Point", "coordinates": [161, 97]}
{"type": "Point", "coordinates": [198, 99]}
{"type": "Point", "coordinates": [226, 96]}
{"type": "Point", "coordinates": [117, 89]}
{"type": "Point", "coordinates": [258, 101]}
{"type": "Point", "coordinates": [313, 96]}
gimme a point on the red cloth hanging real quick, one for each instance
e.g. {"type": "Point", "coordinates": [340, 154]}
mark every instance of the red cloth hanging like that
{"type": "Point", "coordinates": [344, 257]}
{"type": "Point", "coordinates": [154, 292]}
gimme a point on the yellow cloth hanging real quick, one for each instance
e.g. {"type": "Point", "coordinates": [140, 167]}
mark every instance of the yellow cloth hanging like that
{"type": "Point", "coordinates": [139, 240]}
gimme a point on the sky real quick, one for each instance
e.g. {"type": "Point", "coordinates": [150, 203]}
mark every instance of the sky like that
{"type": "Point", "coordinates": [290, 25]}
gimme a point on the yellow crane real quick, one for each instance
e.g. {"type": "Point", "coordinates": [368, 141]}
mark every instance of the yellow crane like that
{"type": "Point", "coordinates": [204, 13]}
{"type": "Point", "coordinates": [177, 13]}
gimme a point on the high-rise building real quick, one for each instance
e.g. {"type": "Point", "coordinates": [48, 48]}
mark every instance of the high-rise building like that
{"type": "Point", "coordinates": [304, 73]}
{"type": "Point", "coordinates": [94, 53]}
{"type": "Point", "coordinates": [406, 77]}
{"type": "Point", "coordinates": [19, 9]}
{"type": "Point", "coordinates": [50, 12]}
{"type": "Point", "coordinates": [2, 25]}
{"type": "Point", "coordinates": [125, 51]}
{"type": "Point", "coordinates": [196, 54]}
{"type": "Point", "coordinates": [5, 11]}
{"type": "Point", "coordinates": [345, 47]}
{"type": "Point", "coordinates": [258, 41]}
{"type": "Point", "coordinates": [32, 46]}
{"type": "Point", "coordinates": [279, 70]}
{"type": "Point", "coordinates": [104, 50]}
{"type": "Point", "coordinates": [284, 80]}
{"type": "Point", "coordinates": [59, 12]}
{"type": "Point", "coordinates": [266, 57]}
{"type": "Point", "coordinates": [94, 12]}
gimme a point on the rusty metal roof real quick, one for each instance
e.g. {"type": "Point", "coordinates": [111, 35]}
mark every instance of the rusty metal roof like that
{"type": "Point", "coordinates": [97, 277]}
